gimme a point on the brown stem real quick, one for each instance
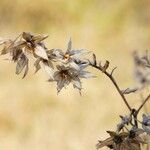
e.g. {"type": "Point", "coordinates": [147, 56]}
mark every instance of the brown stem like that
{"type": "Point", "coordinates": [109, 75]}
{"type": "Point", "coordinates": [135, 113]}
{"type": "Point", "coordinates": [144, 102]}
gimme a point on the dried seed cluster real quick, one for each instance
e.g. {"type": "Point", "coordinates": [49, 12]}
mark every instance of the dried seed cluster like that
{"type": "Point", "coordinates": [62, 67]}
{"type": "Point", "coordinates": [128, 135]}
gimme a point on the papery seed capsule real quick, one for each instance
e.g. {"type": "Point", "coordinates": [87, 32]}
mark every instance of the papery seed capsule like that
{"type": "Point", "coordinates": [27, 36]}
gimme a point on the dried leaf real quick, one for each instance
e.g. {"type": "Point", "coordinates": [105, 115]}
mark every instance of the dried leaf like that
{"type": "Point", "coordinates": [77, 53]}
{"type": "Point", "coordinates": [108, 142]}
{"type": "Point", "coordinates": [77, 83]}
{"type": "Point", "coordinates": [37, 65]}
{"type": "Point", "coordinates": [86, 74]}
{"type": "Point", "coordinates": [39, 38]}
{"type": "Point", "coordinates": [27, 36]}
{"type": "Point", "coordinates": [69, 46]}
{"type": "Point", "coordinates": [143, 138]}
{"type": "Point", "coordinates": [47, 69]}
{"type": "Point", "coordinates": [26, 70]}
{"type": "Point", "coordinates": [21, 63]}
{"type": "Point", "coordinates": [128, 90]}
{"type": "Point", "coordinates": [41, 52]}
{"type": "Point", "coordinates": [16, 54]}
{"type": "Point", "coordinates": [7, 47]}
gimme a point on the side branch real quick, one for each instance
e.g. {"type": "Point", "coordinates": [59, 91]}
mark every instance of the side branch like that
{"type": "Point", "coordinates": [144, 102]}
{"type": "Point", "coordinates": [110, 76]}
{"type": "Point", "coordinates": [118, 89]}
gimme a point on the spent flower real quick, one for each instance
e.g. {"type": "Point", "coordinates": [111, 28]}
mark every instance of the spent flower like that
{"type": "Point", "coordinates": [19, 48]}
{"type": "Point", "coordinates": [69, 55]}
{"type": "Point", "coordinates": [71, 73]}
{"type": "Point", "coordinates": [120, 141]}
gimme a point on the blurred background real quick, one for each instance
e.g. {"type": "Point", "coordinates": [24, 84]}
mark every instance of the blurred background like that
{"type": "Point", "coordinates": [32, 115]}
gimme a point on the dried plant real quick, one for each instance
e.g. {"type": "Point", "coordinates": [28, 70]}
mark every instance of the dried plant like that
{"type": "Point", "coordinates": [70, 67]}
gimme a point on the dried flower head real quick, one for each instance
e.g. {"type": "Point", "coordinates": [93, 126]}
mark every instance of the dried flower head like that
{"type": "Point", "coordinates": [69, 55]}
{"type": "Point", "coordinates": [19, 48]}
{"type": "Point", "coordinates": [124, 140]}
{"type": "Point", "coordinates": [142, 69]}
{"type": "Point", "coordinates": [146, 123]}
{"type": "Point", "coordinates": [71, 73]}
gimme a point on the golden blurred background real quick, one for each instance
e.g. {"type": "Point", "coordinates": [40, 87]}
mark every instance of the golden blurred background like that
{"type": "Point", "coordinates": [32, 115]}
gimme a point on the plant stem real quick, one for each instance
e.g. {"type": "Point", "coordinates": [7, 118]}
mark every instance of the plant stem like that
{"type": "Point", "coordinates": [109, 75]}
{"type": "Point", "coordinates": [144, 102]}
